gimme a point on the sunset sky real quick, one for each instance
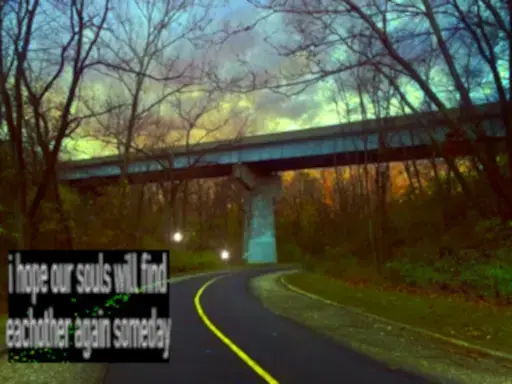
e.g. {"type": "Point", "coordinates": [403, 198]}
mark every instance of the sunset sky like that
{"type": "Point", "coordinates": [263, 111]}
{"type": "Point", "coordinates": [266, 111]}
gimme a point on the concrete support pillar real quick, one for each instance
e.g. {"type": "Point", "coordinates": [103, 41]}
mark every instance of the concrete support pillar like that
{"type": "Point", "coordinates": [259, 229]}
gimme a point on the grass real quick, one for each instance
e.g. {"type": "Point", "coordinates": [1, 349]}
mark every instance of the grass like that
{"type": "Point", "coordinates": [232, 268]}
{"type": "Point", "coordinates": [60, 373]}
{"type": "Point", "coordinates": [480, 324]}
{"type": "Point", "coordinates": [55, 373]}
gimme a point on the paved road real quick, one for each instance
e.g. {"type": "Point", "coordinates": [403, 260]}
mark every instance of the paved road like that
{"type": "Point", "coordinates": [285, 351]}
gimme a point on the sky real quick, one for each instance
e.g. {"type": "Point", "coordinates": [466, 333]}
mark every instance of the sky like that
{"type": "Point", "coordinates": [265, 110]}
{"type": "Point", "coordinates": [258, 112]}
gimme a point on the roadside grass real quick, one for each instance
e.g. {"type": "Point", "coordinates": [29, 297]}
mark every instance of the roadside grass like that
{"type": "Point", "coordinates": [231, 268]}
{"type": "Point", "coordinates": [476, 323]}
{"type": "Point", "coordinates": [187, 261]}
{"type": "Point", "coordinates": [55, 373]}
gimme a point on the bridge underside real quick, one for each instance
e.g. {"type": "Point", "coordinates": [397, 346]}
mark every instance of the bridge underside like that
{"type": "Point", "coordinates": [260, 191]}
{"type": "Point", "coordinates": [202, 171]}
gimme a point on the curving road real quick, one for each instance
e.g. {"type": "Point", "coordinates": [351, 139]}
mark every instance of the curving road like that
{"type": "Point", "coordinates": [255, 345]}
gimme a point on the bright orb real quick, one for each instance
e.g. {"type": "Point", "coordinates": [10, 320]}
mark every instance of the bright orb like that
{"type": "Point", "coordinates": [224, 255]}
{"type": "Point", "coordinates": [177, 237]}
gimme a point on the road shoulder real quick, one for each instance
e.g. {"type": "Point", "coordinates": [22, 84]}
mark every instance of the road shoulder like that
{"type": "Point", "coordinates": [398, 347]}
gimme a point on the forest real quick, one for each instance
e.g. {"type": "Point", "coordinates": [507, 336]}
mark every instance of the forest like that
{"type": "Point", "coordinates": [422, 234]}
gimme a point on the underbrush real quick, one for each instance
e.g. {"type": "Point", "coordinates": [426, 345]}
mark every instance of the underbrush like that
{"type": "Point", "coordinates": [475, 264]}
{"type": "Point", "coordinates": [192, 261]}
{"type": "Point", "coordinates": [463, 274]}
{"type": "Point", "coordinates": [186, 260]}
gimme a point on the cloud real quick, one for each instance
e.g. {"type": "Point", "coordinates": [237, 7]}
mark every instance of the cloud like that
{"type": "Point", "coordinates": [247, 53]}
{"type": "Point", "coordinates": [267, 111]}
{"type": "Point", "coordinates": [302, 108]}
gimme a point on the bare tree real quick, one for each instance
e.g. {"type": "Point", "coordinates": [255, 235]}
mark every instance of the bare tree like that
{"type": "Point", "coordinates": [196, 119]}
{"type": "Point", "coordinates": [150, 64]}
{"type": "Point", "coordinates": [40, 42]}
{"type": "Point", "coordinates": [145, 50]}
{"type": "Point", "coordinates": [413, 51]}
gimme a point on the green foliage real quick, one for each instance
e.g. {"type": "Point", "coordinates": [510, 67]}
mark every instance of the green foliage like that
{"type": "Point", "coordinates": [185, 261]}
{"type": "Point", "coordinates": [333, 230]}
{"type": "Point", "coordinates": [291, 252]}
{"type": "Point", "coordinates": [348, 268]}
{"type": "Point", "coordinates": [468, 276]}
{"type": "Point", "coordinates": [70, 199]}
{"type": "Point", "coordinates": [151, 242]}
{"type": "Point", "coordinates": [494, 233]}
{"type": "Point", "coordinates": [432, 238]}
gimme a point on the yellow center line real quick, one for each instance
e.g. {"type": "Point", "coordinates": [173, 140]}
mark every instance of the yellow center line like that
{"type": "Point", "coordinates": [241, 354]}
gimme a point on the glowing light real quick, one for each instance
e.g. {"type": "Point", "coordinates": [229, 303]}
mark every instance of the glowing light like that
{"type": "Point", "coordinates": [177, 237]}
{"type": "Point", "coordinates": [224, 255]}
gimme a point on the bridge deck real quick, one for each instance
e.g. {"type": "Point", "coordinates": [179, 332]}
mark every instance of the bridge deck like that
{"type": "Point", "coordinates": [406, 137]}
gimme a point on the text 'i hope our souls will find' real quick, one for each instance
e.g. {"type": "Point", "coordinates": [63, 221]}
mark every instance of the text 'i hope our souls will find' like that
{"type": "Point", "coordinates": [91, 278]}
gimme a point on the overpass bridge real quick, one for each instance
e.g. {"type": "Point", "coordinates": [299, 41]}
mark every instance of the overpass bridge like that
{"type": "Point", "coordinates": [256, 161]}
